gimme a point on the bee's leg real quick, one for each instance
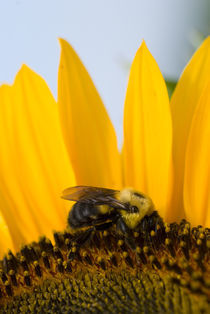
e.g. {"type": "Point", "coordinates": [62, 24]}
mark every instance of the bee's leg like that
{"type": "Point", "coordinates": [157, 227]}
{"type": "Point", "coordinates": [144, 229]}
{"type": "Point", "coordinates": [144, 225]}
{"type": "Point", "coordinates": [128, 239]}
{"type": "Point", "coordinates": [78, 241]}
{"type": "Point", "coordinates": [153, 222]}
{"type": "Point", "coordinates": [121, 226]}
{"type": "Point", "coordinates": [127, 233]}
{"type": "Point", "coordinates": [82, 238]}
{"type": "Point", "coordinates": [104, 226]}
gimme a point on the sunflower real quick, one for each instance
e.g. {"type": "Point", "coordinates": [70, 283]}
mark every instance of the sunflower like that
{"type": "Point", "coordinates": [47, 146]}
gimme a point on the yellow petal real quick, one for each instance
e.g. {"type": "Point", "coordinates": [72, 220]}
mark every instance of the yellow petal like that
{"type": "Point", "coordinates": [87, 129]}
{"type": "Point", "coordinates": [183, 104]}
{"type": "Point", "coordinates": [197, 166]}
{"type": "Point", "coordinates": [34, 163]}
{"type": "Point", "coordinates": [147, 131]}
{"type": "Point", "coordinates": [5, 237]}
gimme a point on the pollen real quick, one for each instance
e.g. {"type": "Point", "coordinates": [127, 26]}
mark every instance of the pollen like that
{"type": "Point", "coordinates": [166, 270]}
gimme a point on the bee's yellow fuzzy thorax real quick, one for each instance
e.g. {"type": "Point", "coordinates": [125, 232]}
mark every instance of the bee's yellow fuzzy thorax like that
{"type": "Point", "coordinates": [141, 201]}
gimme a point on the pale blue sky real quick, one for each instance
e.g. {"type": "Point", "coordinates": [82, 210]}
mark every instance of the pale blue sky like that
{"type": "Point", "coordinates": [106, 35]}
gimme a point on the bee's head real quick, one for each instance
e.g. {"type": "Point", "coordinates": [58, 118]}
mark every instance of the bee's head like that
{"type": "Point", "coordinates": [139, 205]}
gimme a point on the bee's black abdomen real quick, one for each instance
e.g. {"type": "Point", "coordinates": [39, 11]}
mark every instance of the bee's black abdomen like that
{"type": "Point", "coordinates": [80, 214]}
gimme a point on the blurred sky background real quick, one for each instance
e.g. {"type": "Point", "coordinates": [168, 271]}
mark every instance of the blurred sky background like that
{"type": "Point", "coordinates": [105, 34]}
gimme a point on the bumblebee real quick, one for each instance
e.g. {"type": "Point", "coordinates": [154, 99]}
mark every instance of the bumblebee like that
{"type": "Point", "coordinates": [102, 208]}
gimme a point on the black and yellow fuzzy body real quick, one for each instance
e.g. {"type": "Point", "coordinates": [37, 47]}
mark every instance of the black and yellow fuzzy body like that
{"type": "Point", "coordinates": [101, 208]}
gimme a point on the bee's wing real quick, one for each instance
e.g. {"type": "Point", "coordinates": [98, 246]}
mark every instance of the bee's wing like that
{"type": "Point", "coordinates": [85, 193]}
{"type": "Point", "coordinates": [93, 195]}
